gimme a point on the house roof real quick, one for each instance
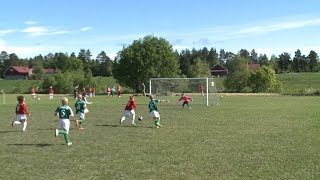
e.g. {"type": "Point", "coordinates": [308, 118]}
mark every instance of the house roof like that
{"type": "Point", "coordinates": [21, 69]}
{"type": "Point", "coordinates": [218, 67]}
{"type": "Point", "coordinates": [48, 70]}
{"type": "Point", "coordinates": [253, 67]}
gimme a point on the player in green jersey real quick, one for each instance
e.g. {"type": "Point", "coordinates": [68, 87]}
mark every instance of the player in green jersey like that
{"type": "Point", "coordinates": [64, 112]}
{"type": "Point", "coordinates": [80, 106]}
{"type": "Point", "coordinates": [153, 110]}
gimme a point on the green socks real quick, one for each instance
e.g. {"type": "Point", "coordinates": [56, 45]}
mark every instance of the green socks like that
{"type": "Point", "coordinates": [65, 135]}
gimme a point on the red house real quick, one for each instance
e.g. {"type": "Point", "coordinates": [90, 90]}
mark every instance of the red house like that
{"type": "Point", "coordinates": [253, 67]}
{"type": "Point", "coordinates": [218, 70]}
{"type": "Point", "coordinates": [18, 72]}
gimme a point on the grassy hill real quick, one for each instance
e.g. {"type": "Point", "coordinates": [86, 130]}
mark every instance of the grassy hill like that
{"type": "Point", "coordinates": [300, 83]}
{"type": "Point", "coordinates": [293, 83]}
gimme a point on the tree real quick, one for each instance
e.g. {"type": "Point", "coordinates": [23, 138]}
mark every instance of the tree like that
{"type": "Point", "coordinates": [244, 53]}
{"type": "Point", "coordinates": [274, 63]}
{"type": "Point", "coordinates": [198, 69]}
{"type": "Point", "coordinates": [37, 70]}
{"type": "Point", "coordinates": [264, 80]}
{"type": "Point", "coordinates": [185, 61]}
{"type": "Point", "coordinates": [82, 55]}
{"type": "Point", "coordinates": [313, 61]}
{"type": "Point", "coordinates": [238, 78]}
{"type": "Point", "coordinates": [143, 59]}
{"type": "Point", "coordinates": [64, 63]}
{"type": "Point", "coordinates": [212, 58]}
{"type": "Point", "coordinates": [222, 55]}
{"type": "Point", "coordinates": [253, 57]}
{"type": "Point", "coordinates": [284, 62]}
{"type": "Point", "coordinates": [3, 57]}
{"type": "Point", "coordinates": [263, 60]}
{"type": "Point", "coordinates": [104, 65]}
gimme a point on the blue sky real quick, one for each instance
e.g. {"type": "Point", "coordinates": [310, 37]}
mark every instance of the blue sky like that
{"type": "Point", "coordinates": [32, 27]}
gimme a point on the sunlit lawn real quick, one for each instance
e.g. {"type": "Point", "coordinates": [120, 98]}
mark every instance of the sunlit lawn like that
{"type": "Point", "coordinates": [245, 137]}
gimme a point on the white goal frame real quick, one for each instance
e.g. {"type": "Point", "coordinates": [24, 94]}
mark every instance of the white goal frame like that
{"type": "Point", "coordinates": [210, 92]}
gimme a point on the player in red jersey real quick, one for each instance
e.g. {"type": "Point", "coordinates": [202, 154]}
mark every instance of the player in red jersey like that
{"type": "Point", "coordinates": [33, 92]}
{"type": "Point", "coordinates": [201, 88]}
{"type": "Point", "coordinates": [51, 92]}
{"type": "Point", "coordinates": [130, 110]}
{"type": "Point", "coordinates": [21, 113]}
{"type": "Point", "coordinates": [186, 100]}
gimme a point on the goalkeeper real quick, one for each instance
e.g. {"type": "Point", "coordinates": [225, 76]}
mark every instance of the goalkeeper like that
{"type": "Point", "coordinates": [186, 100]}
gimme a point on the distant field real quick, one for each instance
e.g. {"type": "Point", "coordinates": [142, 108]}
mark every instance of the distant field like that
{"type": "Point", "coordinates": [293, 83]}
{"type": "Point", "coordinates": [245, 137]}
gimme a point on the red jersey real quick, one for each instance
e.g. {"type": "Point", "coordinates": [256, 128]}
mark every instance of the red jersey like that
{"type": "Point", "coordinates": [185, 98]}
{"type": "Point", "coordinates": [21, 108]}
{"type": "Point", "coordinates": [91, 90]}
{"type": "Point", "coordinates": [119, 89]}
{"type": "Point", "coordinates": [131, 105]}
{"type": "Point", "coordinates": [201, 88]}
{"type": "Point", "coordinates": [51, 91]}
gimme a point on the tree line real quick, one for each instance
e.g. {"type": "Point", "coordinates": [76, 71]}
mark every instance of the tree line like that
{"type": "Point", "coordinates": [149, 57]}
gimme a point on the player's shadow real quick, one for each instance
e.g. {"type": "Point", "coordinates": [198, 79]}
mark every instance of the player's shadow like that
{"type": "Point", "coordinates": [108, 125]}
{"type": "Point", "coordinates": [122, 126]}
{"type": "Point", "coordinates": [36, 145]}
{"type": "Point", "coordinates": [2, 132]}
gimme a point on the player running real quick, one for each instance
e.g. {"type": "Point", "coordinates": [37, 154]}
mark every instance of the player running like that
{"type": "Point", "coordinates": [130, 110]}
{"type": "Point", "coordinates": [21, 112]}
{"type": "Point", "coordinates": [186, 100]}
{"type": "Point", "coordinates": [80, 106]}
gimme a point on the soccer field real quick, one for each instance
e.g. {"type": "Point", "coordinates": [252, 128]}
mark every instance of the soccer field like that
{"type": "Point", "coordinates": [245, 137]}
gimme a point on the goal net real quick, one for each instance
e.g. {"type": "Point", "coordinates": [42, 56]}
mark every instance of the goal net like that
{"type": "Point", "coordinates": [201, 90]}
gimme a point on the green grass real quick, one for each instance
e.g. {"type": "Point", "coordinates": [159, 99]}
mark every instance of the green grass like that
{"type": "Point", "coordinates": [244, 138]}
{"type": "Point", "coordinates": [299, 83]}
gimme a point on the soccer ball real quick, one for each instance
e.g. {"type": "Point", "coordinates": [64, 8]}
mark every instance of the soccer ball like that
{"type": "Point", "coordinates": [38, 98]}
{"type": "Point", "coordinates": [140, 118]}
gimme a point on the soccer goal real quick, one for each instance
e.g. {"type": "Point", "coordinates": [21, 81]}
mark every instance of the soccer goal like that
{"type": "Point", "coordinates": [202, 90]}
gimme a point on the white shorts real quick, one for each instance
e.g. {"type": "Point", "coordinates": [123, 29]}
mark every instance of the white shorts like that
{"type": "Point", "coordinates": [128, 112]}
{"type": "Point", "coordinates": [65, 124]}
{"type": "Point", "coordinates": [21, 117]}
{"type": "Point", "coordinates": [81, 115]}
{"type": "Point", "coordinates": [154, 114]}
{"type": "Point", "coordinates": [86, 110]}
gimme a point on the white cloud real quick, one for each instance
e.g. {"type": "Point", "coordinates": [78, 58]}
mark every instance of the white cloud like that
{"type": "Point", "coordinates": [41, 31]}
{"type": "Point", "coordinates": [7, 31]}
{"type": "Point", "coordinates": [87, 28]}
{"type": "Point", "coordinates": [278, 26]}
{"type": "Point", "coordinates": [59, 32]}
{"type": "Point", "coordinates": [36, 30]}
{"type": "Point", "coordinates": [31, 22]}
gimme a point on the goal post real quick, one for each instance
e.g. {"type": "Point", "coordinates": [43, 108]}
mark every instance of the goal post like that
{"type": "Point", "coordinates": [202, 90]}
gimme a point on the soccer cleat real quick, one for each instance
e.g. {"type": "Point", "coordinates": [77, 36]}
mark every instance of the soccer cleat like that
{"type": "Point", "coordinates": [69, 143]}
{"type": "Point", "coordinates": [56, 132]}
{"type": "Point", "coordinates": [24, 130]}
{"type": "Point", "coordinates": [133, 124]}
{"type": "Point", "coordinates": [77, 123]}
{"type": "Point", "coordinates": [121, 121]}
{"type": "Point", "coordinates": [12, 124]}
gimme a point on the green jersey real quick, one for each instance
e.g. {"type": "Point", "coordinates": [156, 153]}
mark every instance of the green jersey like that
{"type": "Point", "coordinates": [80, 106]}
{"type": "Point", "coordinates": [64, 112]}
{"type": "Point", "coordinates": [153, 105]}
